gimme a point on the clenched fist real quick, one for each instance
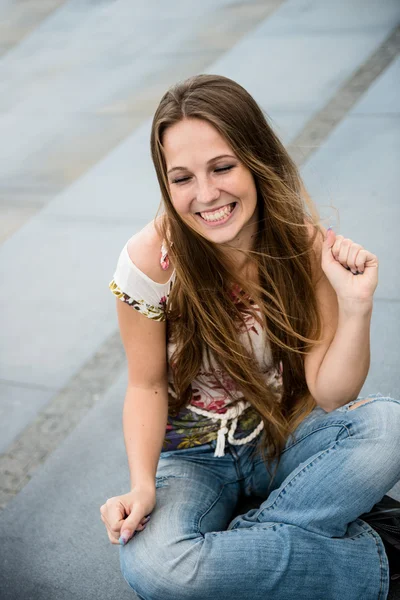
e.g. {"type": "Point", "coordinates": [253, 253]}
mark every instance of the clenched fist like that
{"type": "Point", "coordinates": [342, 259]}
{"type": "Point", "coordinates": [126, 514]}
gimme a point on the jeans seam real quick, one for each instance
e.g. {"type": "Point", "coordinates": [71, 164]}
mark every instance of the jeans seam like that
{"type": "Point", "coordinates": [212, 505]}
{"type": "Point", "coordinates": [334, 424]}
{"type": "Point", "coordinates": [256, 527]}
{"type": "Point", "coordinates": [342, 425]}
{"type": "Point", "coordinates": [375, 537]}
{"type": "Point", "coordinates": [290, 482]}
{"type": "Point", "coordinates": [273, 526]}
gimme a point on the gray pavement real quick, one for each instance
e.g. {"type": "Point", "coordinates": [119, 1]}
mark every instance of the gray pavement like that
{"type": "Point", "coordinates": [79, 181]}
{"type": "Point", "coordinates": [88, 75]}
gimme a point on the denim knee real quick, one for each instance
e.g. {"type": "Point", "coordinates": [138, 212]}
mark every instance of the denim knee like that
{"type": "Point", "coordinates": [378, 419]}
{"type": "Point", "coordinates": [156, 572]}
{"type": "Point", "coordinates": [138, 570]}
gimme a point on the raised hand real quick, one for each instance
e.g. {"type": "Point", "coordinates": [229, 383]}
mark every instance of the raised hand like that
{"type": "Point", "coordinates": [351, 269]}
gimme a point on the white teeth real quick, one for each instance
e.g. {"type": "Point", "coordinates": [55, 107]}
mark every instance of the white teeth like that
{"type": "Point", "coordinates": [216, 216]}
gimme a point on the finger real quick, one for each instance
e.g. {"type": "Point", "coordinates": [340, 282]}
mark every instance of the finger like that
{"type": "Point", "coordinates": [103, 517]}
{"type": "Point", "coordinates": [116, 511]}
{"type": "Point", "coordinates": [329, 237]}
{"type": "Point", "coordinates": [336, 246]}
{"type": "Point", "coordinates": [344, 252]}
{"type": "Point", "coordinates": [130, 525]}
{"type": "Point", "coordinates": [371, 260]}
{"type": "Point", "coordinates": [113, 539]}
{"type": "Point", "coordinates": [112, 532]}
{"type": "Point", "coordinates": [360, 261]}
{"type": "Point", "coordinates": [115, 515]}
{"type": "Point", "coordinates": [112, 535]}
{"type": "Point", "coordinates": [144, 521]}
{"type": "Point", "coordinates": [111, 522]}
{"type": "Point", "coordinates": [352, 256]}
{"type": "Point", "coordinates": [110, 513]}
{"type": "Point", "coordinates": [110, 506]}
{"type": "Point", "coordinates": [329, 241]}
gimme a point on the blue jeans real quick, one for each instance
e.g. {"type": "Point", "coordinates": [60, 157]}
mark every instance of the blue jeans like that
{"type": "Point", "coordinates": [305, 539]}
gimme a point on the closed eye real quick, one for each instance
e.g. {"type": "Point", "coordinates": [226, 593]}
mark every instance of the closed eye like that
{"type": "Point", "coordinates": [183, 179]}
{"type": "Point", "coordinates": [219, 169]}
{"type": "Point", "coordinates": [216, 170]}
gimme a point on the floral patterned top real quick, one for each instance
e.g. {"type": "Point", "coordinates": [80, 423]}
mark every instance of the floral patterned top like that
{"type": "Point", "coordinates": [210, 410]}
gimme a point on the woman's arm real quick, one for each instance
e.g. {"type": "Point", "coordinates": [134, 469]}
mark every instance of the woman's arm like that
{"type": "Point", "coordinates": [144, 420]}
{"type": "Point", "coordinates": [146, 401]}
{"type": "Point", "coordinates": [336, 370]}
{"type": "Point", "coordinates": [144, 423]}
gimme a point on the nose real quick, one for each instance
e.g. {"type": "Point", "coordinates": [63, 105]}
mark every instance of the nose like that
{"type": "Point", "coordinates": [207, 191]}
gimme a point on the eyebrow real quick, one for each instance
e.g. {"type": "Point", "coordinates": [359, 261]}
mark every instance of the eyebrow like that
{"type": "Point", "coordinates": [208, 162]}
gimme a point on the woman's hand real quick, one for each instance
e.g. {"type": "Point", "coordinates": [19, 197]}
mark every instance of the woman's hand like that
{"type": "Point", "coordinates": [341, 260]}
{"type": "Point", "coordinates": [123, 515]}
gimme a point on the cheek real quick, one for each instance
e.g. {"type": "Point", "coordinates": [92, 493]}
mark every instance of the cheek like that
{"type": "Point", "coordinates": [181, 202]}
{"type": "Point", "coordinates": [245, 187]}
{"type": "Point", "coordinates": [249, 196]}
{"type": "Point", "coordinates": [252, 192]}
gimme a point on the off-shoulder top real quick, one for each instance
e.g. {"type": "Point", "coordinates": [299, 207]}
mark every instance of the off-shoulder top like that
{"type": "Point", "coordinates": [211, 410]}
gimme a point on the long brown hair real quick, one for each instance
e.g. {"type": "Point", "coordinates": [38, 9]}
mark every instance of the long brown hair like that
{"type": "Point", "coordinates": [202, 315]}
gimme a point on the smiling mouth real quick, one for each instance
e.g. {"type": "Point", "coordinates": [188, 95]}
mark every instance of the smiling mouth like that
{"type": "Point", "coordinates": [218, 214]}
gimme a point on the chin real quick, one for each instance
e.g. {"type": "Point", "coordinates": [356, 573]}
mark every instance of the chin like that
{"type": "Point", "coordinates": [220, 237]}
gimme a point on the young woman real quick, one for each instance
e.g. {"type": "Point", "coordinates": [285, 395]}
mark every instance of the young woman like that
{"type": "Point", "coordinates": [246, 328]}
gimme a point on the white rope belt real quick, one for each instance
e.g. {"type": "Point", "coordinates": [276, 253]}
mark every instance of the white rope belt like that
{"type": "Point", "coordinates": [232, 413]}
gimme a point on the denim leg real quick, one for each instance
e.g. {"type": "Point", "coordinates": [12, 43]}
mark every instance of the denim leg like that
{"type": "Point", "coordinates": [342, 461]}
{"type": "Point", "coordinates": [336, 468]}
{"type": "Point", "coordinates": [195, 493]}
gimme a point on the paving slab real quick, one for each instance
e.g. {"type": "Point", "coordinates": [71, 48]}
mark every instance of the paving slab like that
{"type": "Point", "coordinates": [121, 188]}
{"type": "Point", "coordinates": [384, 377]}
{"type": "Point", "coordinates": [18, 19]}
{"type": "Point", "coordinates": [368, 206]}
{"type": "Point", "coordinates": [316, 17]}
{"type": "Point", "coordinates": [18, 407]}
{"type": "Point", "coordinates": [54, 544]}
{"type": "Point", "coordinates": [356, 170]}
{"type": "Point", "coordinates": [55, 277]}
{"type": "Point", "coordinates": [73, 63]}
{"type": "Point", "coordinates": [304, 52]}
{"type": "Point", "coordinates": [383, 97]}
{"type": "Point", "coordinates": [73, 89]}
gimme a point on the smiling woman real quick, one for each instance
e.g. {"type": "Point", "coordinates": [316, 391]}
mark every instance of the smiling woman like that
{"type": "Point", "coordinates": [235, 214]}
{"type": "Point", "coordinates": [214, 193]}
{"type": "Point", "coordinates": [217, 180]}
{"type": "Point", "coordinates": [246, 329]}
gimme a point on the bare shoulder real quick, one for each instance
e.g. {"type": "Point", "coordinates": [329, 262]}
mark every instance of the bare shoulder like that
{"type": "Point", "coordinates": [144, 249]}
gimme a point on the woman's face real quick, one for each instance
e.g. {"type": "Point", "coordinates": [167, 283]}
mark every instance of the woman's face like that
{"type": "Point", "coordinates": [210, 188]}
